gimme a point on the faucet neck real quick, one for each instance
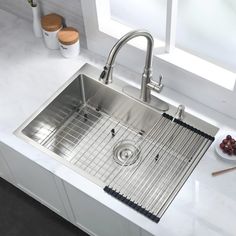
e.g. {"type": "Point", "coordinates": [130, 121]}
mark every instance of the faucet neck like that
{"type": "Point", "coordinates": [126, 38]}
{"type": "Point", "coordinates": [106, 75]}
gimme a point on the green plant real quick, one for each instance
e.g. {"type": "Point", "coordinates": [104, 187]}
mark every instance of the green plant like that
{"type": "Point", "coordinates": [32, 3]}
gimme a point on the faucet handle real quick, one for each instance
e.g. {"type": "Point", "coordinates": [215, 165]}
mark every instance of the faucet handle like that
{"type": "Point", "coordinates": [156, 86]}
{"type": "Point", "coordinates": [160, 80]}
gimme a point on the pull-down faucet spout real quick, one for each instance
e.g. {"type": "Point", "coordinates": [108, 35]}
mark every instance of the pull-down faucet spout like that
{"type": "Point", "coordinates": [147, 83]}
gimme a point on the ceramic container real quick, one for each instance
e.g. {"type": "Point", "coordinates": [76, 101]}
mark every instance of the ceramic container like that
{"type": "Point", "coordinates": [69, 42]}
{"type": "Point", "coordinates": [51, 25]}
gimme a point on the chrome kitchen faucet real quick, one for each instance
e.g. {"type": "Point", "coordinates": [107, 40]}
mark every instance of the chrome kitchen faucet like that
{"type": "Point", "coordinates": [147, 83]}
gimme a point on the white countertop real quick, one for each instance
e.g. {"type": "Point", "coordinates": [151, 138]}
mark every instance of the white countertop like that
{"type": "Point", "coordinates": [30, 74]}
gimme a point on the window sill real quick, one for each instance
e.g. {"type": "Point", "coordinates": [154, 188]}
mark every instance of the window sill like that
{"type": "Point", "coordinates": [200, 67]}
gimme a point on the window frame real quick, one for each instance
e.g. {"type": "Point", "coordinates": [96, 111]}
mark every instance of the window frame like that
{"type": "Point", "coordinates": [102, 32]}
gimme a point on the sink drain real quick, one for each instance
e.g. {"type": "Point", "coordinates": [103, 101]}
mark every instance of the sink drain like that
{"type": "Point", "coordinates": [125, 152]}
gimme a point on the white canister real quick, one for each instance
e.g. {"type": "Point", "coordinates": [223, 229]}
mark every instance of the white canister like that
{"type": "Point", "coordinates": [69, 42]}
{"type": "Point", "coordinates": [51, 25]}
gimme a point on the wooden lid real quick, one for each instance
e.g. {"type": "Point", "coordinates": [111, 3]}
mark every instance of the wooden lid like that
{"type": "Point", "coordinates": [51, 22]}
{"type": "Point", "coordinates": [68, 35]}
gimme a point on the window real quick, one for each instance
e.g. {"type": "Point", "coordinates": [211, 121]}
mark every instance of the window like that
{"type": "Point", "coordinates": [150, 16]}
{"type": "Point", "coordinates": [198, 36]}
{"type": "Point", "coordinates": [207, 29]}
{"type": "Point", "coordinates": [204, 28]}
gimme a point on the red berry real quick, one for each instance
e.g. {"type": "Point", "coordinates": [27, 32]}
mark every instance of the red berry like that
{"type": "Point", "coordinates": [226, 148]}
{"type": "Point", "coordinates": [225, 141]}
{"type": "Point", "coordinates": [232, 141]}
{"type": "Point", "coordinates": [230, 151]}
{"type": "Point", "coordinates": [222, 146]}
{"type": "Point", "coordinates": [228, 137]}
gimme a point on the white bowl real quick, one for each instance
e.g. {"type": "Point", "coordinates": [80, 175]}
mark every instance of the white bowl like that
{"type": "Point", "coordinates": [220, 152]}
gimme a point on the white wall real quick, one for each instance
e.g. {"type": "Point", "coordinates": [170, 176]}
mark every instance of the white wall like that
{"type": "Point", "coordinates": [69, 9]}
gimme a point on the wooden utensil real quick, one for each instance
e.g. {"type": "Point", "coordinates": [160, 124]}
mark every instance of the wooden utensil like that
{"type": "Point", "coordinates": [216, 173]}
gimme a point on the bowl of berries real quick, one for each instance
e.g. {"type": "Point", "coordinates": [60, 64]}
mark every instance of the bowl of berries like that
{"type": "Point", "coordinates": [226, 147]}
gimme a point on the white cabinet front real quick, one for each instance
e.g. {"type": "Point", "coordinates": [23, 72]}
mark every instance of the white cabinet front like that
{"type": "Point", "coordinates": [97, 219]}
{"type": "Point", "coordinates": [4, 170]}
{"type": "Point", "coordinates": [34, 180]}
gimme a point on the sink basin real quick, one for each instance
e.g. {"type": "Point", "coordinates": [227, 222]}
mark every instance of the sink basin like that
{"type": "Point", "coordinates": [136, 153]}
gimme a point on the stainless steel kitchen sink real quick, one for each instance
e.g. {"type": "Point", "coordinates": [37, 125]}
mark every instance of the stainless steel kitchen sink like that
{"type": "Point", "coordinates": [135, 152]}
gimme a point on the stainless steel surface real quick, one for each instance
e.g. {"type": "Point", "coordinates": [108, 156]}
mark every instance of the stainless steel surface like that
{"type": "Point", "coordinates": [168, 158]}
{"type": "Point", "coordinates": [155, 102]}
{"type": "Point", "coordinates": [113, 139]}
{"type": "Point", "coordinates": [126, 152]}
{"type": "Point", "coordinates": [106, 75]}
{"type": "Point", "coordinates": [147, 83]}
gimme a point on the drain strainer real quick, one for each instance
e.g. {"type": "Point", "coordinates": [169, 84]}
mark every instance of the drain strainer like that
{"type": "Point", "coordinates": [125, 152]}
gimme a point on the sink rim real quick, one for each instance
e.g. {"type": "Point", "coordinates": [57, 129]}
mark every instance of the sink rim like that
{"type": "Point", "coordinates": [92, 73]}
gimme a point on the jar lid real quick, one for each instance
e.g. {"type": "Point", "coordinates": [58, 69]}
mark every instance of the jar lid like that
{"type": "Point", "coordinates": [51, 22]}
{"type": "Point", "coordinates": [68, 36]}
